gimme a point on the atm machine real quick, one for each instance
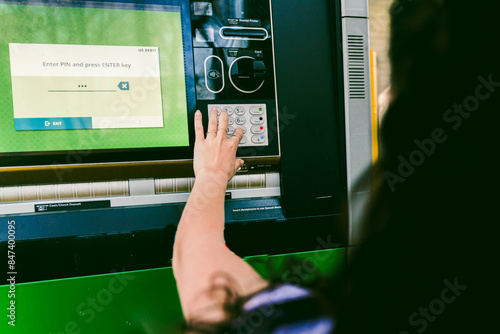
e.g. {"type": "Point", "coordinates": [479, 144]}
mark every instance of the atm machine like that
{"type": "Point", "coordinates": [97, 100]}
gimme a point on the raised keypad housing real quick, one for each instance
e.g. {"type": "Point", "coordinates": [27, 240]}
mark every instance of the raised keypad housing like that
{"type": "Point", "coordinates": [251, 117]}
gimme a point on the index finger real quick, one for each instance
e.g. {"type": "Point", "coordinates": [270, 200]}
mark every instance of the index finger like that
{"type": "Point", "coordinates": [198, 126]}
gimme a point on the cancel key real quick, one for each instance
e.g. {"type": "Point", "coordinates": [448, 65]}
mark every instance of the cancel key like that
{"type": "Point", "coordinates": [257, 129]}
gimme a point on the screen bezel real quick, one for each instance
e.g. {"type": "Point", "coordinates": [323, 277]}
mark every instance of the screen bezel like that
{"type": "Point", "coordinates": [72, 160]}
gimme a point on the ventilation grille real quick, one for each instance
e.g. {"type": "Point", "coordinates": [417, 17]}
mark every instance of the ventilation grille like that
{"type": "Point", "coordinates": [356, 66]}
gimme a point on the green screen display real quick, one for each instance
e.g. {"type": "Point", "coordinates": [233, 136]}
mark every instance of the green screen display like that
{"type": "Point", "coordinates": [91, 78]}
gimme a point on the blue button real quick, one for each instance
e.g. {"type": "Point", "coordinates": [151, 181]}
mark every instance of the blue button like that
{"type": "Point", "coordinates": [59, 123]}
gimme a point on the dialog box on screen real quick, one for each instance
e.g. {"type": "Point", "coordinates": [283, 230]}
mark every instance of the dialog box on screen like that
{"type": "Point", "coordinates": [68, 87]}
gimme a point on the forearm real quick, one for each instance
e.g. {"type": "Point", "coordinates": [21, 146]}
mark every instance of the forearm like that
{"type": "Point", "coordinates": [203, 215]}
{"type": "Point", "coordinates": [201, 259]}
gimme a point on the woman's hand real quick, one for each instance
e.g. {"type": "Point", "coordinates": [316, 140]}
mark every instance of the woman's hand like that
{"type": "Point", "coordinates": [216, 154]}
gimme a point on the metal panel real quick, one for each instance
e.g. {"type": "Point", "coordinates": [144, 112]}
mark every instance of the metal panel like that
{"type": "Point", "coordinates": [355, 8]}
{"type": "Point", "coordinates": [311, 128]}
{"type": "Point", "coordinates": [356, 53]}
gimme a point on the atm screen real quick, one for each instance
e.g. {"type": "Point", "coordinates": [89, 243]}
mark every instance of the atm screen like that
{"type": "Point", "coordinates": [104, 79]}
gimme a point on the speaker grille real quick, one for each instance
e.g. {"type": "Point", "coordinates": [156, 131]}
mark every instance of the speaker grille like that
{"type": "Point", "coordinates": [356, 66]}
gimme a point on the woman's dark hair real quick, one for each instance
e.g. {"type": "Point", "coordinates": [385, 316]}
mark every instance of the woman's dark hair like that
{"type": "Point", "coordinates": [426, 264]}
{"type": "Point", "coordinates": [426, 256]}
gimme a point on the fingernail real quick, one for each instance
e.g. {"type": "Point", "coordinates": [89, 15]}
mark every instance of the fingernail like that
{"type": "Point", "coordinates": [242, 162]}
{"type": "Point", "coordinates": [198, 113]}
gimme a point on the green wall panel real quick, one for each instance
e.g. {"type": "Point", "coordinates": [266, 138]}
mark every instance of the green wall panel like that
{"type": "Point", "coordinates": [136, 302]}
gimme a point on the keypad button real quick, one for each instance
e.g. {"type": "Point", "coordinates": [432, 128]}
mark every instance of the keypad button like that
{"type": "Point", "coordinates": [240, 110]}
{"type": "Point", "coordinates": [258, 139]}
{"type": "Point", "coordinates": [251, 118]}
{"type": "Point", "coordinates": [257, 129]}
{"type": "Point", "coordinates": [257, 120]}
{"type": "Point", "coordinates": [240, 120]}
{"type": "Point", "coordinates": [256, 110]}
{"type": "Point", "coordinates": [229, 110]}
